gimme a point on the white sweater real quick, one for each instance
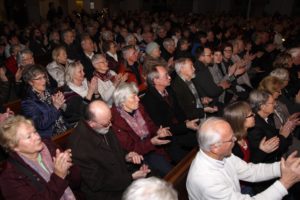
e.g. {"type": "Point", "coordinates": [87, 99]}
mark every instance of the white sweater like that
{"type": "Point", "coordinates": [211, 179]}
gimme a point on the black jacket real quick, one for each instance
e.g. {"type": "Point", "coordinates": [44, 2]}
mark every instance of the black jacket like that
{"type": "Point", "coordinates": [101, 161]}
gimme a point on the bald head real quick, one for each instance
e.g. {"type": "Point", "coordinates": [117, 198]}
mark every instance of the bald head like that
{"type": "Point", "coordinates": [99, 116]}
{"type": "Point", "coordinates": [211, 132]}
{"type": "Point", "coordinates": [99, 109]}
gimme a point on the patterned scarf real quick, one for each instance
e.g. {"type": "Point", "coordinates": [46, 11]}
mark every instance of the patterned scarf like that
{"type": "Point", "coordinates": [136, 122]}
{"type": "Point", "coordinates": [59, 126]}
{"type": "Point", "coordinates": [46, 170]}
{"type": "Point", "coordinates": [107, 76]}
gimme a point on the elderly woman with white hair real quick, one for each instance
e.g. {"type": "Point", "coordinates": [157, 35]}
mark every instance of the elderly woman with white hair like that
{"type": "Point", "coordinates": [57, 67]}
{"type": "Point", "coordinates": [36, 168]}
{"type": "Point", "coordinates": [107, 79]}
{"type": "Point", "coordinates": [136, 131]}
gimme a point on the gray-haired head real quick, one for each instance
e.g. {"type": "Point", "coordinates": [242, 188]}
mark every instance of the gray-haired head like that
{"type": "Point", "coordinates": [151, 46]}
{"type": "Point", "coordinates": [123, 91]}
{"type": "Point", "coordinates": [107, 35]}
{"type": "Point", "coordinates": [126, 50]}
{"type": "Point", "coordinates": [208, 134]}
{"type": "Point", "coordinates": [280, 73]}
{"type": "Point", "coordinates": [97, 57]}
{"type": "Point", "coordinates": [21, 56]}
{"type": "Point", "coordinates": [152, 74]}
{"type": "Point", "coordinates": [130, 39]}
{"type": "Point", "coordinates": [150, 188]}
{"type": "Point", "coordinates": [168, 42]}
{"type": "Point", "coordinates": [179, 64]}
{"type": "Point", "coordinates": [31, 71]}
{"type": "Point", "coordinates": [257, 98]}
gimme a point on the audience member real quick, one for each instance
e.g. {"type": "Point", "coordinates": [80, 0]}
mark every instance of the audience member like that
{"type": "Point", "coordinates": [189, 98]}
{"type": "Point", "coordinates": [215, 171]}
{"type": "Point", "coordinates": [57, 67]}
{"type": "Point", "coordinates": [162, 106]}
{"type": "Point", "coordinates": [107, 80]}
{"type": "Point", "coordinates": [150, 188]}
{"type": "Point", "coordinates": [97, 152]}
{"type": "Point", "coordinates": [35, 168]}
{"type": "Point", "coordinates": [42, 107]}
{"type": "Point", "coordinates": [77, 82]}
{"type": "Point", "coordinates": [131, 66]}
{"type": "Point", "coordinates": [136, 131]}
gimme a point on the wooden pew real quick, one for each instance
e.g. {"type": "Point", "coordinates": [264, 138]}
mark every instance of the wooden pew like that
{"type": "Point", "coordinates": [14, 106]}
{"type": "Point", "coordinates": [61, 139]}
{"type": "Point", "coordinates": [177, 176]}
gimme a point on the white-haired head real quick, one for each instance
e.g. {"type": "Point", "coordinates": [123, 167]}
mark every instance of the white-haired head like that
{"type": "Point", "coordinates": [150, 188]}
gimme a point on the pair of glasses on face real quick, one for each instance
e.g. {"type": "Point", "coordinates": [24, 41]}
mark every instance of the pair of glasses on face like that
{"type": "Point", "coordinates": [104, 125]}
{"type": "Point", "coordinates": [251, 115]}
{"type": "Point", "coordinates": [232, 140]}
{"type": "Point", "coordinates": [40, 78]}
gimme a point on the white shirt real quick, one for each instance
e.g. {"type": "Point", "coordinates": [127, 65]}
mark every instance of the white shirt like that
{"type": "Point", "coordinates": [106, 89]}
{"type": "Point", "coordinates": [211, 179]}
{"type": "Point", "coordinates": [81, 90]}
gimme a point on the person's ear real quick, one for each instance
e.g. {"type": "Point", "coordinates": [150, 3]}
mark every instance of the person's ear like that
{"type": "Point", "coordinates": [30, 83]}
{"type": "Point", "coordinates": [214, 148]}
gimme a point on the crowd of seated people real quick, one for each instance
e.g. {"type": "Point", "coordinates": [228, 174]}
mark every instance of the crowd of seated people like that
{"type": "Point", "coordinates": [155, 78]}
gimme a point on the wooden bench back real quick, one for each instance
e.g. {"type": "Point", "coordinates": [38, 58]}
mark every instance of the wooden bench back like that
{"type": "Point", "coordinates": [14, 106]}
{"type": "Point", "coordinates": [177, 176]}
{"type": "Point", "coordinates": [61, 140]}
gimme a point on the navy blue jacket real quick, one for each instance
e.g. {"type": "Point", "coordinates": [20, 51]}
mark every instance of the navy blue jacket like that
{"type": "Point", "coordinates": [42, 114]}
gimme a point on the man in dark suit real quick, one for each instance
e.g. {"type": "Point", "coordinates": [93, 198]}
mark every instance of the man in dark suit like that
{"type": "Point", "coordinates": [162, 106]}
{"type": "Point", "coordinates": [189, 98]}
{"type": "Point", "coordinates": [203, 80]}
{"type": "Point", "coordinates": [86, 55]}
{"type": "Point", "coordinates": [96, 150]}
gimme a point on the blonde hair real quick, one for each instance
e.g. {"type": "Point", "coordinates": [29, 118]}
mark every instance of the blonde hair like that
{"type": "Point", "coordinates": [56, 52]}
{"type": "Point", "coordinates": [70, 69]}
{"type": "Point", "coordinates": [8, 131]}
{"type": "Point", "coordinates": [270, 84]}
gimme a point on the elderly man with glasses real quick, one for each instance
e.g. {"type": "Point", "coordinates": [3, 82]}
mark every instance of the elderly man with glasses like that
{"type": "Point", "coordinates": [215, 172]}
{"type": "Point", "coordinates": [97, 152]}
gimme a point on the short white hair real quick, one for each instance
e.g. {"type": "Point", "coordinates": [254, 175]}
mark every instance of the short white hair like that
{"type": "Point", "coordinates": [208, 134]}
{"type": "Point", "coordinates": [123, 91]}
{"type": "Point", "coordinates": [150, 188]}
{"type": "Point", "coordinates": [179, 64]}
{"type": "Point", "coordinates": [280, 73]}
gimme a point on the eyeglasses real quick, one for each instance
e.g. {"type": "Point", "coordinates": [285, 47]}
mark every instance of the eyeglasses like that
{"type": "Point", "coordinates": [40, 78]}
{"type": "Point", "coordinates": [103, 62]}
{"type": "Point", "coordinates": [104, 125]}
{"type": "Point", "coordinates": [251, 115]}
{"type": "Point", "coordinates": [233, 139]}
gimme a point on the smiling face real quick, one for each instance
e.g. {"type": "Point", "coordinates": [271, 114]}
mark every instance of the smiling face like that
{"type": "Point", "coordinates": [38, 83]}
{"type": "Point", "coordinates": [101, 65]}
{"type": "Point", "coordinates": [78, 74]}
{"type": "Point", "coordinates": [28, 141]}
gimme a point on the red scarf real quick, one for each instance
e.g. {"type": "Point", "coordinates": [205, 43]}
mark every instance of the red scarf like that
{"type": "Point", "coordinates": [107, 76]}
